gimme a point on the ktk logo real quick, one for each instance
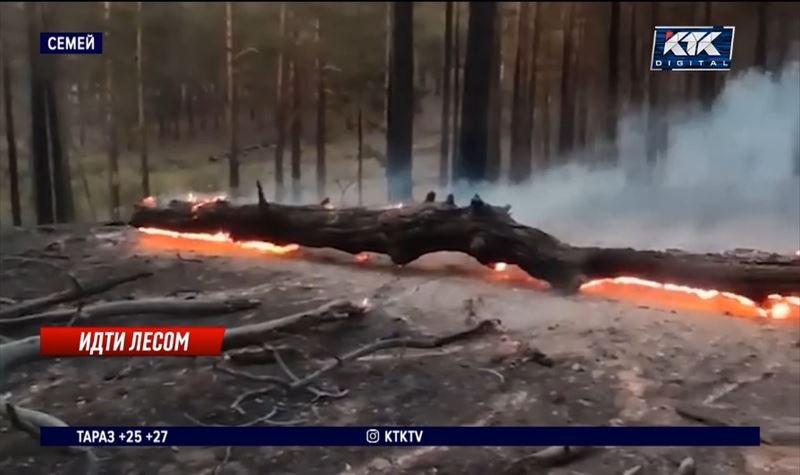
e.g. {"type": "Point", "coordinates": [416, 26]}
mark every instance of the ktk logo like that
{"type": "Point", "coordinates": [696, 42]}
{"type": "Point", "coordinates": [692, 48]}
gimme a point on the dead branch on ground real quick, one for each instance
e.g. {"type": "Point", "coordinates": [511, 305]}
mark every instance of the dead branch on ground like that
{"type": "Point", "coordinates": [549, 457]}
{"type": "Point", "coordinates": [295, 383]}
{"type": "Point", "coordinates": [156, 306]}
{"type": "Point", "coordinates": [257, 333]}
{"type": "Point", "coordinates": [31, 421]}
{"type": "Point", "coordinates": [76, 292]}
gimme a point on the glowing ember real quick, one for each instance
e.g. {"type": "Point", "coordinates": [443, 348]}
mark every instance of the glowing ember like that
{"type": "Point", "coordinates": [361, 257]}
{"type": "Point", "coordinates": [681, 297]}
{"type": "Point", "coordinates": [221, 237]}
{"type": "Point", "coordinates": [149, 202]}
{"type": "Point", "coordinates": [500, 266]}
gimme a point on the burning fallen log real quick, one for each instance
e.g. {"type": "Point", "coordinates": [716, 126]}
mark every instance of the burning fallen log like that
{"type": "Point", "coordinates": [487, 233]}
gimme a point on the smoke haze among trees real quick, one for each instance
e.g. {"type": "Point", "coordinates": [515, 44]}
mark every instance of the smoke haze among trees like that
{"type": "Point", "coordinates": [464, 96]}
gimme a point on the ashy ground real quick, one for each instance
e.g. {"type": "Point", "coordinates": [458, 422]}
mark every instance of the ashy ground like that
{"type": "Point", "coordinates": [555, 361]}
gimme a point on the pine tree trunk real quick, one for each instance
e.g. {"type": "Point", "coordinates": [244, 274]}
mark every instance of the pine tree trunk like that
{"type": "Point", "coordinates": [81, 106]}
{"type": "Point", "coordinates": [399, 134]}
{"type": "Point", "coordinates": [11, 138]}
{"type": "Point", "coordinates": [708, 82]}
{"type": "Point", "coordinates": [566, 129]}
{"type": "Point", "coordinates": [280, 107]}
{"type": "Point", "coordinates": [62, 176]}
{"type": "Point", "coordinates": [321, 111]}
{"type": "Point", "coordinates": [444, 151]}
{"type": "Point", "coordinates": [387, 55]}
{"type": "Point", "coordinates": [533, 69]}
{"type": "Point", "coordinates": [455, 163]}
{"type": "Point", "coordinates": [360, 157]}
{"type": "Point", "coordinates": [232, 109]}
{"type": "Point", "coordinates": [613, 76]}
{"type": "Point", "coordinates": [653, 121]}
{"type": "Point", "coordinates": [761, 36]}
{"type": "Point", "coordinates": [111, 128]}
{"type": "Point", "coordinates": [297, 118]}
{"type": "Point", "coordinates": [143, 158]}
{"type": "Point", "coordinates": [474, 138]}
{"type": "Point", "coordinates": [493, 152]}
{"type": "Point", "coordinates": [520, 155]}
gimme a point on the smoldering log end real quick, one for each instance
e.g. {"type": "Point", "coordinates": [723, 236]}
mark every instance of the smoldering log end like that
{"type": "Point", "coordinates": [430, 197]}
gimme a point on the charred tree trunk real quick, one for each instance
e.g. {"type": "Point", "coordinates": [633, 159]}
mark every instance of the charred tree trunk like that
{"type": "Point", "coordinates": [297, 118]}
{"type": "Point", "coordinates": [444, 150]}
{"type": "Point", "coordinates": [232, 109]}
{"type": "Point", "coordinates": [143, 158]}
{"type": "Point", "coordinates": [360, 156]}
{"type": "Point", "coordinates": [566, 129]}
{"type": "Point", "coordinates": [613, 76]}
{"type": "Point", "coordinates": [761, 36]}
{"type": "Point", "coordinates": [485, 232]}
{"type": "Point", "coordinates": [520, 152]}
{"type": "Point", "coordinates": [387, 65]}
{"type": "Point", "coordinates": [400, 125]}
{"type": "Point", "coordinates": [62, 176]}
{"type": "Point", "coordinates": [280, 107]}
{"type": "Point", "coordinates": [40, 154]}
{"type": "Point", "coordinates": [455, 163]}
{"type": "Point", "coordinates": [321, 111]}
{"type": "Point", "coordinates": [708, 82]}
{"type": "Point", "coordinates": [654, 124]}
{"type": "Point", "coordinates": [11, 138]}
{"type": "Point", "coordinates": [494, 151]}
{"type": "Point", "coordinates": [111, 127]}
{"type": "Point", "coordinates": [474, 114]}
{"type": "Point", "coordinates": [81, 106]}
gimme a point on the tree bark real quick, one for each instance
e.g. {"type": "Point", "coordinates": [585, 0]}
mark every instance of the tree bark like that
{"type": "Point", "coordinates": [143, 158]}
{"type": "Point", "coordinates": [520, 152]}
{"type": "Point", "coordinates": [444, 150]}
{"type": "Point", "coordinates": [455, 163]}
{"type": "Point", "coordinates": [566, 129]}
{"type": "Point", "coordinates": [400, 125]}
{"type": "Point", "coordinates": [494, 150]}
{"type": "Point", "coordinates": [11, 138]}
{"type": "Point", "coordinates": [111, 127]}
{"type": "Point", "coordinates": [40, 150]}
{"type": "Point", "coordinates": [231, 109]}
{"type": "Point", "coordinates": [280, 106]}
{"type": "Point", "coordinates": [297, 118]}
{"type": "Point", "coordinates": [613, 76]}
{"type": "Point", "coordinates": [321, 111]}
{"type": "Point", "coordinates": [485, 232]}
{"type": "Point", "coordinates": [474, 138]}
{"type": "Point", "coordinates": [761, 36]}
{"type": "Point", "coordinates": [62, 176]}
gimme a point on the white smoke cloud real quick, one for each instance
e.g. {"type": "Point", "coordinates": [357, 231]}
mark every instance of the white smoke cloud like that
{"type": "Point", "coordinates": [725, 181]}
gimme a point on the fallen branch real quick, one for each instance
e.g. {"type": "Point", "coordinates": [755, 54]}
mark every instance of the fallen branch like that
{"type": "Point", "coordinates": [549, 457]}
{"type": "Point", "coordinates": [687, 467]}
{"type": "Point", "coordinates": [487, 233]}
{"type": "Point", "coordinates": [484, 327]}
{"type": "Point", "coordinates": [74, 293]}
{"type": "Point", "coordinates": [257, 333]}
{"type": "Point", "coordinates": [135, 307]}
{"type": "Point", "coordinates": [31, 421]}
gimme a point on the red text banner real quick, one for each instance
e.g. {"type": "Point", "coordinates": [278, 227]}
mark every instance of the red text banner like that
{"type": "Point", "coordinates": [131, 341]}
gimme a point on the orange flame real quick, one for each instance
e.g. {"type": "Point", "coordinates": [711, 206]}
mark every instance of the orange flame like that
{"type": "Point", "coordinates": [680, 297]}
{"type": "Point", "coordinates": [361, 257]}
{"type": "Point", "coordinates": [500, 266]}
{"type": "Point", "coordinates": [222, 237]}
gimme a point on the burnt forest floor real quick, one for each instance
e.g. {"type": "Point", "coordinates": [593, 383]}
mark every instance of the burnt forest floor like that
{"type": "Point", "coordinates": [605, 363]}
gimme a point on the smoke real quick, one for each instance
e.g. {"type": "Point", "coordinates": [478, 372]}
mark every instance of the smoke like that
{"type": "Point", "coordinates": [726, 180]}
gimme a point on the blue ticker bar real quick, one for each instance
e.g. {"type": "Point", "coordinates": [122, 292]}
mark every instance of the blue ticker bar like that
{"type": "Point", "coordinates": [637, 436]}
